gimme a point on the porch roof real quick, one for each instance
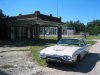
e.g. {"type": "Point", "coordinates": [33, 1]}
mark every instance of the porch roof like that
{"type": "Point", "coordinates": [41, 22]}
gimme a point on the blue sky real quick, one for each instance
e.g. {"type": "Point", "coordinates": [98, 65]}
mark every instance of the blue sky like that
{"type": "Point", "coordinates": [83, 10]}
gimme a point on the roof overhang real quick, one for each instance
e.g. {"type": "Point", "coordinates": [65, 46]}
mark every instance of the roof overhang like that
{"type": "Point", "coordinates": [41, 22]}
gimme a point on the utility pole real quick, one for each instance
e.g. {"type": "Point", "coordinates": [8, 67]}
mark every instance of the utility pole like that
{"type": "Point", "coordinates": [57, 8]}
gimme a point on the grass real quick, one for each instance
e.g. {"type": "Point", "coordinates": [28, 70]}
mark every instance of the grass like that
{"type": "Point", "coordinates": [38, 46]}
{"type": "Point", "coordinates": [74, 36]}
{"type": "Point", "coordinates": [91, 42]}
{"type": "Point", "coordinates": [36, 57]}
{"type": "Point", "coordinates": [93, 37]}
{"type": "Point", "coordinates": [6, 66]}
{"type": "Point", "coordinates": [88, 37]}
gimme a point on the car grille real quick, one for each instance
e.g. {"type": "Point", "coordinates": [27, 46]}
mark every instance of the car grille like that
{"type": "Point", "coordinates": [54, 57]}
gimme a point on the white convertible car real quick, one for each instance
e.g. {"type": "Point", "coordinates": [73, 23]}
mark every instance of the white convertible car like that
{"type": "Point", "coordinates": [68, 50]}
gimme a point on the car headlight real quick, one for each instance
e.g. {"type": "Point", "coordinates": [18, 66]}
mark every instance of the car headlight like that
{"type": "Point", "coordinates": [66, 58]}
{"type": "Point", "coordinates": [43, 55]}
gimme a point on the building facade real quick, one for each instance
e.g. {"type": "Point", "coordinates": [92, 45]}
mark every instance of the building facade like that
{"type": "Point", "coordinates": [32, 25]}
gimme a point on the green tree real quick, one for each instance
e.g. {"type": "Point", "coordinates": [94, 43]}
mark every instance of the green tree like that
{"type": "Point", "coordinates": [3, 26]}
{"type": "Point", "coordinates": [96, 30]}
{"type": "Point", "coordinates": [93, 27]}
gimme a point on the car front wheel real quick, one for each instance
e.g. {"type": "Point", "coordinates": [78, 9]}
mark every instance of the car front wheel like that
{"type": "Point", "coordinates": [75, 63]}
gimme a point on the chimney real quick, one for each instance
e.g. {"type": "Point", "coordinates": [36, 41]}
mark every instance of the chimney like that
{"type": "Point", "coordinates": [50, 15]}
{"type": "Point", "coordinates": [60, 17]}
{"type": "Point", "coordinates": [37, 13]}
{"type": "Point", "coordinates": [20, 14]}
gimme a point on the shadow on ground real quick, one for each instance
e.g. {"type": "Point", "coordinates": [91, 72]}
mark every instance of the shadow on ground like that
{"type": "Point", "coordinates": [85, 66]}
{"type": "Point", "coordinates": [3, 73]}
{"type": "Point", "coordinates": [26, 42]}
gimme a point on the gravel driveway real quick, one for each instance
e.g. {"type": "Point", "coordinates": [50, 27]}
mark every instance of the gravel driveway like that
{"type": "Point", "coordinates": [15, 61]}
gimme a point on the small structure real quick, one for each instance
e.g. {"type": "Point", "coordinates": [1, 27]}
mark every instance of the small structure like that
{"type": "Point", "coordinates": [68, 30]}
{"type": "Point", "coordinates": [83, 35]}
{"type": "Point", "coordinates": [29, 26]}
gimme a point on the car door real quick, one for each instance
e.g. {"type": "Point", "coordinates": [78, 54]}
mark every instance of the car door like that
{"type": "Point", "coordinates": [83, 49]}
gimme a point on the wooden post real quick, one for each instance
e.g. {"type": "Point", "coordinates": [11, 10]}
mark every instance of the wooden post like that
{"type": "Point", "coordinates": [12, 32]}
{"type": "Point", "coordinates": [59, 33]}
{"type": "Point", "coordinates": [36, 32]}
{"type": "Point", "coordinates": [31, 32]}
{"type": "Point", "coordinates": [44, 32]}
{"type": "Point", "coordinates": [9, 32]}
{"type": "Point", "coordinates": [20, 33]}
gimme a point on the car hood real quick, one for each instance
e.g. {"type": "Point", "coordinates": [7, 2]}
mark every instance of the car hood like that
{"type": "Point", "coordinates": [60, 50]}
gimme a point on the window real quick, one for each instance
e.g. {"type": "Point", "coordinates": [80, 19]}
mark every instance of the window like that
{"type": "Point", "coordinates": [82, 43]}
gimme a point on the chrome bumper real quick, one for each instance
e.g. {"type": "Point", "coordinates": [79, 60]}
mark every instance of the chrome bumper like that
{"type": "Point", "coordinates": [58, 59]}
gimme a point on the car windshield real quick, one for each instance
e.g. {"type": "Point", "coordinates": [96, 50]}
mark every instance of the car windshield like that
{"type": "Point", "coordinates": [70, 42]}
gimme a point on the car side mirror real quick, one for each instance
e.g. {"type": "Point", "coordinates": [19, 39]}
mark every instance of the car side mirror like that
{"type": "Point", "coordinates": [82, 45]}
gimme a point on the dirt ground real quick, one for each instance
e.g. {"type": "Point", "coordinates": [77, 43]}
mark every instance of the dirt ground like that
{"type": "Point", "coordinates": [15, 60]}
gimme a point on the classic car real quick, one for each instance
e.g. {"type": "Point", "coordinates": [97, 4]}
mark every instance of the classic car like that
{"type": "Point", "coordinates": [67, 50]}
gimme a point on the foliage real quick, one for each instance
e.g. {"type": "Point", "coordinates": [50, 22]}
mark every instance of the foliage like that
{"type": "Point", "coordinates": [93, 27]}
{"type": "Point", "coordinates": [91, 42]}
{"type": "Point", "coordinates": [79, 26]}
{"type": "Point", "coordinates": [36, 57]}
{"type": "Point", "coordinates": [1, 17]}
{"type": "Point", "coordinates": [3, 26]}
